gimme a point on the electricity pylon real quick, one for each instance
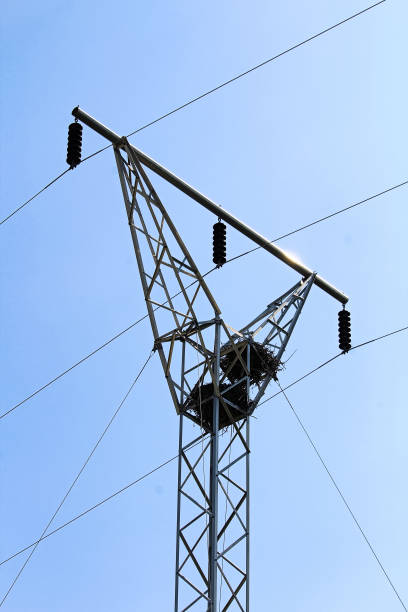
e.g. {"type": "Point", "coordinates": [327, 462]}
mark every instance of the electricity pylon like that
{"type": "Point", "coordinates": [216, 377]}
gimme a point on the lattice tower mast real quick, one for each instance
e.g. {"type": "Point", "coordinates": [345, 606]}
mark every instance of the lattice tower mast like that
{"type": "Point", "coordinates": [214, 377]}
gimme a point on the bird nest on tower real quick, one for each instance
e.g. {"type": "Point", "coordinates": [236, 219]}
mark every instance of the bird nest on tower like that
{"type": "Point", "coordinates": [262, 362]}
{"type": "Point", "coordinates": [199, 404]}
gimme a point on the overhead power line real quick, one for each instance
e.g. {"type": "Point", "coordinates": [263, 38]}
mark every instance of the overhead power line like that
{"type": "Point", "coordinates": [353, 348]}
{"type": "Point", "coordinates": [204, 95]}
{"type": "Point", "coordinates": [333, 214]}
{"type": "Point", "coordinates": [244, 253]}
{"type": "Point", "coordinates": [77, 477]}
{"type": "Point", "coordinates": [345, 502]}
{"type": "Point", "coordinates": [77, 363]}
{"type": "Point", "coordinates": [134, 482]}
{"type": "Point", "coordinates": [34, 196]}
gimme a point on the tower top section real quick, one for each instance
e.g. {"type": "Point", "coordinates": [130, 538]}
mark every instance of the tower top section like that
{"type": "Point", "coordinates": [211, 206]}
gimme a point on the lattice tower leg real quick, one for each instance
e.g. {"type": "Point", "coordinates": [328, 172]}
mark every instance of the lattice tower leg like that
{"type": "Point", "coordinates": [212, 546]}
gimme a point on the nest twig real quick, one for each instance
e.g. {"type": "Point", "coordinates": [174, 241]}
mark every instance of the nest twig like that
{"type": "Point", "coordinates": [200, 404]}
{"type": "Point", "coordinates": [263, 363]}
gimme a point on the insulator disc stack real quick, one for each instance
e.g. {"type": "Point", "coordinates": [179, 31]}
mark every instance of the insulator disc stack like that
{"type": "Point", "coordinates": [344, 331]}
{"type": "Point", "coordinates": [219, 244]}
{"type": "Point", "coordinates": [74, 148]}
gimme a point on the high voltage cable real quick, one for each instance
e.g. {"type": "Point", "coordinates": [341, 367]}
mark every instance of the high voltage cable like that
{"type": "Point", "coordinates": [34, 196]}
{"type": "Point", "coordinates": [132, 325]}
{"type": "Point", "coordinates": [97, 505]}
{"type": "Point", "coordinates": [204, 95]}
{"type": "Point", "coordinates": [337, 212]}
{"type": "Point", "coordinates": [345, 502]}
{"type": "Point", "coordinates": [77, 476]}
{"type": "Point", "coordinates": [396, 331]}
{"type": "Point", "coordinates": [131, 484]}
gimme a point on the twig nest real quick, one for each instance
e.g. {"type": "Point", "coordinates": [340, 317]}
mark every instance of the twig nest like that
{"type": "Point", "coordinates": [263, 363]}
{"type": "Point", "coordinates": [200, 404]}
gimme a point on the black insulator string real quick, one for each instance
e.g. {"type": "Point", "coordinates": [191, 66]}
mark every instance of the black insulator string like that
{"type": "Point", "coordinates": [205, 94]}
{"type": "Point", "coordinates": [344, 330]}
{"type": "Point", "coordinates": [74, 148]}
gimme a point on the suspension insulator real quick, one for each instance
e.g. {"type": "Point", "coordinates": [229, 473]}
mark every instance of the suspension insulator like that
{"type": "Point", "coordinates": [74, 145]}
{"type": "Point", "coordinates": [344, 331]}
{"type": "Point", "coordinates": [219, 244]}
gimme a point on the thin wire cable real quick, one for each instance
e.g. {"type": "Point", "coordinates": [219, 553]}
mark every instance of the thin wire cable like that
{"type": "Point", "coordinates": [347, 505]}
{"type": "Point", "coordinates": [92, 353]}
{"type": "Point", "coordinates": [207, 93]}
{"type": "Point", "coordinates": [98, 504]}
{"type": "Point", "coordinates": [34, 196]}
{"type": "Point", "coordinates": [53, 380]}
{"type": "Point", "coordinates": [77, 477]}
{"type": "Point", "coordinates": [204, 275]}
{"type": "Point", "coordinates": [131, 484]}
{"type": "Point", "coordinates": [353, 348]}
{"type": "Point", "coordinates": [264, 63]}
{"type": "Point", "coordinates": [337, 212]}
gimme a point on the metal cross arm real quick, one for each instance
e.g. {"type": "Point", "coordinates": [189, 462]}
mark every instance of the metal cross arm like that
{"type": "Point", "coordinates": [211, 206]}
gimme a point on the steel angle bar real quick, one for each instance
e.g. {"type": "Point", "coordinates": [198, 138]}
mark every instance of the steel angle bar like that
{"type": "Point", "coordinates": [235, 512]}
{"type": "Point", "coordinates": [231, 482]}
{"type": "Point", "coordinates": [230, 443]}
{"type": "Point", "coordinates": [193, 442]}
{"type": "Point", "coordinates": [196, 518]}
{"type": "Point", "coordinates": [173, 310]}
{"type": "Point", "coordinates": [234, 593]}
{"type": "Point", "coordinates": [233, 462]}
{"type": "Point", "coordinates": [194, 587]}
{"type": "Point", "coordinates": [193, 558]}
{"type": "Point", "coordinates": [271, 307]}
{"type": "Point", "coordinates": [233, 565]}
{"type": "Point", "coordinates": [134, 154]}
{"type": "Point", "coordinates": [197, 461]}
{"type": "Point", "coordinates": [193, 501]}
{"type": "Point", "coordinates": [156, 281]}
{"type": "Point", "coordinates": [139, 229]}
{"type": "Point", "coordinates": [197, 480]}
{"type": "Point", "coordinates": [233, 422]}
{"type": "Point", "coordinates": [190, 605]}
{"type": "Point", "coordinates": [197, 541]}
{"type": "Point", "coordinates": [237, 541]}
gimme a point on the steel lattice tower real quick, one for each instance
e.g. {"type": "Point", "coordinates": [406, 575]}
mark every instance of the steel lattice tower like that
{"type": "Point", "coordinates": [210, 369]}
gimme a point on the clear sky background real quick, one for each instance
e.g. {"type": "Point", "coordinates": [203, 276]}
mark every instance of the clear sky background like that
{"type": "Point", "coordinates": [312, 132]}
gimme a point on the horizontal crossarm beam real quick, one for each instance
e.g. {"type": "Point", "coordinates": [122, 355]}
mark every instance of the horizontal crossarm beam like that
{"type": "Point", "coordinates": [211, 206]}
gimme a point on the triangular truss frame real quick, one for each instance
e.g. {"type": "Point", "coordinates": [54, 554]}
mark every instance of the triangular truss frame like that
{"type": "Point", "coordinates": [191, 338]}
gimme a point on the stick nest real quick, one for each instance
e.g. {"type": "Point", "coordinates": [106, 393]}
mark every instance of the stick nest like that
{"type": "Point", "coordinates": [200, 404]}
{"type": "Point", "coordinates": [263, 363]}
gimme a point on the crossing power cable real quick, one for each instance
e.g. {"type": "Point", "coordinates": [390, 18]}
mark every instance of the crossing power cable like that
{"type": "Point", "coordinates": [134, 482]}
{"type": "Point", "coordinates": [244, 253]}
{"type": "Point", "coordinates": [132, 325]}
{"type": "Point", "coordinates": [333, 214]}
{"type": "Point", "coordinates": [201, 96]}
{"type": "Point", "coordinates": [342, 497]}
{"type": "Point", "coordinates": [353, 348]}
{"type": "Point", "coordinates": [77, 477]}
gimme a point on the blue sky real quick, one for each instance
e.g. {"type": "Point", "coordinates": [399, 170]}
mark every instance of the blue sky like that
{"type": "Point", "coordinates": [320, 128]}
